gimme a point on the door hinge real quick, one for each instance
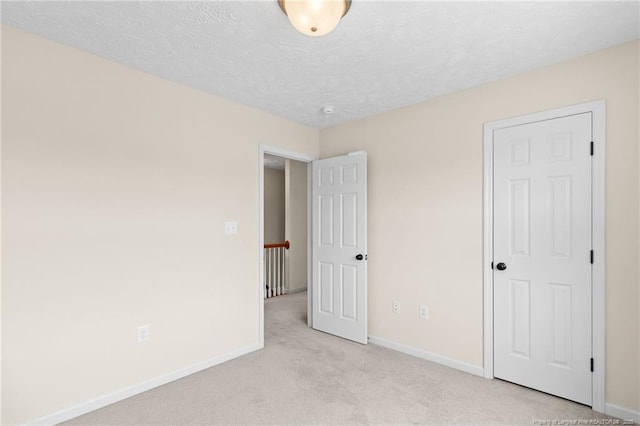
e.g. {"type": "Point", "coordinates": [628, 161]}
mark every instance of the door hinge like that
{"type": "Point", "coordinates": [592, 147]}
{"type": "Point", "coordinates": [592, 365]}
{"type": "Point", "coordinates": [592, 257]}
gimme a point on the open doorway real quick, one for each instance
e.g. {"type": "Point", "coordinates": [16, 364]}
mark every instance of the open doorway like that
{"type": "Point", "coordinates": [284, 211]}
{"type": "Point", "coordinates": [336, 294]}
{"type": "Point", "coordinates": [276, 247]}
{"type": "Point", "coordinates": [285, 225]}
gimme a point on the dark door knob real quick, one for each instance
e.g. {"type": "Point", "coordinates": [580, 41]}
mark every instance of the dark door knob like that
{"type": "Point", "coordinates": [359, 257]}
{"type": "Point", "coordinates": [501, 266]}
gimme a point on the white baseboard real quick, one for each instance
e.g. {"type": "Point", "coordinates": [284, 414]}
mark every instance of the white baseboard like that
{"type": "Point", "coordinates": [103, 401]}
{"type": "Point", "coordinates": [296, 290]}
{"type": "Point", "coordinates": [610, 409]}
{"type": "Point", "coordinates": [119, 395]}
{"type": "Point", "coordinates": [438, 359]}
{"type": "Point", "coordinates": [621, 413]}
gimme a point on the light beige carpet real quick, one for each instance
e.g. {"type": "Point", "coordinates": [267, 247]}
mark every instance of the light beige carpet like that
{"type": "Point", "coordinates": [307, 377]}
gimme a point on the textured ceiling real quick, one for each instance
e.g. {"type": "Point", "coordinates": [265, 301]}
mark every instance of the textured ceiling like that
{"type": "Point", "coordinates": [383, 55]}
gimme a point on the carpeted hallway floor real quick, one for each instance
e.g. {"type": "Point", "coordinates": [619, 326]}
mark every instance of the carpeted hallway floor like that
{"type": "Point", "coordinates": [307, 377]}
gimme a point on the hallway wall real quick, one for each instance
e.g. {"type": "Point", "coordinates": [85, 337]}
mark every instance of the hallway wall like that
{"type": "Point", "coordinates": [296, 184]}
{"type": "Point", "coordinates": [274, 206]}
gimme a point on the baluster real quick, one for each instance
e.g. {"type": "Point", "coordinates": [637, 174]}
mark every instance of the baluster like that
{"type": "Point", "coordinates": [277, 271]}
{"type": "Point", "coordinates": [270, 274]}
{"type": "Point", "coordinates": [273, 273]}
{"type": "Point", "coordinates": [281, 270]}
{"type": "Point", "coordinates": [266, 272]}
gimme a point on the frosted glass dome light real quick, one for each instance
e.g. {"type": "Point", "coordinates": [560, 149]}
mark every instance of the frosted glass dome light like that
{"type": "Point", "coordinates": [315, 17]}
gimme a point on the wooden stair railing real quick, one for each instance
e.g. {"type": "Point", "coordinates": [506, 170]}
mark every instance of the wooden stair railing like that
{"type": "Point", "coordinates": [274, 263]}
{"type": "Point", "coordinates": [277, 245]}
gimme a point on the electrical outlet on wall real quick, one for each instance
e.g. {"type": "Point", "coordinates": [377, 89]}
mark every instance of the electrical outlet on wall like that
{"type": "Point", "coordinates": [231, 227]}
{"type": "Point", "coordinates": [424, 312]}
{"type": "Point", "coordinates": [395, 307]}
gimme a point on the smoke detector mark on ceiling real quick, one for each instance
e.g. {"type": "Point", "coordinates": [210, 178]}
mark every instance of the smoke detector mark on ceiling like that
{"type": "Point", "coordinates": [328, 109]}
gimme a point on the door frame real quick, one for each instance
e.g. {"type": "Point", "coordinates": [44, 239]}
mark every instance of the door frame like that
{"type": "Point", "coordinates": [290, 155]}
{"type": "Point", "coordinates": [597, 110]}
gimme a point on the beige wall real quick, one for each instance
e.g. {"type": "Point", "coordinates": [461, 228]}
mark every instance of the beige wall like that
{"type": "Point", "coordinates": [274, 203]}
{"type": "Point", "coordinates": [296, 224]}
{"type": "Point", "coordinates": [425, 207]}
{"type": "Point", "coordinates": [113, 206]}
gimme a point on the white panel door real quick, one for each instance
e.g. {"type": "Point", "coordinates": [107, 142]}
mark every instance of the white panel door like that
{"type": "Point", "coordinates": [339, 223]}
{"type": "Point", "coordinates": [542, 256]}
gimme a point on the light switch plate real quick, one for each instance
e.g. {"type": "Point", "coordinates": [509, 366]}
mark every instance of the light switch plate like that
{"type": "Point", "coordinates": [424, 312]}
{"type": "Point", "coordinates": [143, 333]}
{"type": "Point", "coordinates": [231, 227]}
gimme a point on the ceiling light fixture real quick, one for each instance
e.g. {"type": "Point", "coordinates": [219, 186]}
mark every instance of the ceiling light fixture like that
{"type": "Point", "coordinates": [315, 17]}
